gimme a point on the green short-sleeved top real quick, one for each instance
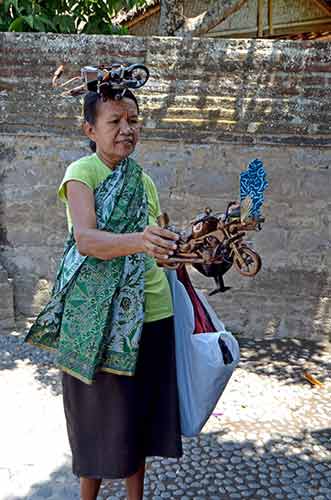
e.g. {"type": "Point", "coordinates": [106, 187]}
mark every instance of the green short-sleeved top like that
{"type": "Point", "coordinates": [92, 171]}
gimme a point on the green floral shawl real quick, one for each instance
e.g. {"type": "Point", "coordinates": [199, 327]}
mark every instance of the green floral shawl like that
{"type": "Point", "coordinates": [95, 315]}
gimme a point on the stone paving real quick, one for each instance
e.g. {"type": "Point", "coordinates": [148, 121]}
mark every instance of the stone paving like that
{"type": "Point", "coordinates": [268, 438]}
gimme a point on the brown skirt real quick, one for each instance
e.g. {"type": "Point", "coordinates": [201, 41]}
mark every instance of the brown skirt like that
{"type": "Point", "coordinates": [117, 421]}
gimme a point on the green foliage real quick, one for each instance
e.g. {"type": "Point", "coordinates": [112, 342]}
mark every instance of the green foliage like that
{"type": "Point", "coordinates": [63, 16]}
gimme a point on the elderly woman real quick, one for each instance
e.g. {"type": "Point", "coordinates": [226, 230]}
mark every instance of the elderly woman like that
{"type": "Point", "coordinates": [110, 318]}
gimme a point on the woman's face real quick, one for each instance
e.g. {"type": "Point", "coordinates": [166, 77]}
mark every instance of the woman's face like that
{"type": "Point", "coordinates": [116, 130]}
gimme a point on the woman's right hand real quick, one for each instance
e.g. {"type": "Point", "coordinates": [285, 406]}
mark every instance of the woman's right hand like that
{"type": "Point", "coordinates": [158, 242]}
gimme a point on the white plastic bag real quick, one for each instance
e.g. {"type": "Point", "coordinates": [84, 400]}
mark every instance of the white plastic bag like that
{"type": "Point", "coordinates": [202, 374]}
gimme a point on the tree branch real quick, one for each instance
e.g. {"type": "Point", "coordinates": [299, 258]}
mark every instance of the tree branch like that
{"type": "Point", "coordinates": [216, 14]}
{"type": "Point", "coordinates": [171, 16]}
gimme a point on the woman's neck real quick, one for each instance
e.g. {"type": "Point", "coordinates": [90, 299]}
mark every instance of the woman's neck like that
{"type": "Point", "coordinates": [110, 161]}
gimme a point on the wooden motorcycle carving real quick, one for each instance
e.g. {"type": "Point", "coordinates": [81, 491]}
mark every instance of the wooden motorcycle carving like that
{"type": "Point", "coordinates": [215, 242]}
{"type": "Point", "coordinates": [115, 76]}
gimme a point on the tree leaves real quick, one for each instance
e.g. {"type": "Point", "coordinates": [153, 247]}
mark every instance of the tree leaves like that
{"type": "Point", "coordinates": [17, 24]}
{"type": "Point", "coordinates": [8, 3]}
{"type": "Point", "coordinates": [63, 16]}
{"type": "Point", "coordinates": [64, 23]}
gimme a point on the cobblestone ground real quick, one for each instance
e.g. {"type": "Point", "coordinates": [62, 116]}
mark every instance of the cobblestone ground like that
{"type": "Point", "coordinates": [268, 438]}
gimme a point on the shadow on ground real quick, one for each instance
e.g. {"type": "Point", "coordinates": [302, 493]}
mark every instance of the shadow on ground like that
{"type": "Point", "coordinates": [216, 467]}
{"type": "Point", "coordinates": [284, 359]}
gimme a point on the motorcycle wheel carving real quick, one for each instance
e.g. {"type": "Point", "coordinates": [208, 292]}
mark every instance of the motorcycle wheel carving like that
{"type": "Point", "coordinates": [246, 261]}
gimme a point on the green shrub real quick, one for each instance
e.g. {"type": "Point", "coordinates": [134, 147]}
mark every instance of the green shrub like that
{"type": "Point", "coordinates": [63, 16]}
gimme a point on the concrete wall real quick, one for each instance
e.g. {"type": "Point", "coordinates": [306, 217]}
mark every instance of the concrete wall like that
{"type": "Point", "coordinates": [210, 107]}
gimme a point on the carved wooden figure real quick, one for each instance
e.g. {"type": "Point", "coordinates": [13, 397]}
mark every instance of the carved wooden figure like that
{"type": "Point", "coordinates": [215, 242]}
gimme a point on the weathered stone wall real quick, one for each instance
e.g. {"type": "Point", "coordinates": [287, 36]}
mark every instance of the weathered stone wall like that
{"type": "Point", "coordinates": [209, 108]}
{"type": "Point", "coordinates": [7, 320]}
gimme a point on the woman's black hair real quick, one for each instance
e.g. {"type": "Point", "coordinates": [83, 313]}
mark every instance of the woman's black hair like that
{"type": "Point", "coordinates": [90, 105]}
{"type": "Point", "coordinates": [93, 146]}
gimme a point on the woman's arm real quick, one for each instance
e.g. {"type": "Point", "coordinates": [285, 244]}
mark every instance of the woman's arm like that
{"type": "Point", "coordinates": [154, 241]}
